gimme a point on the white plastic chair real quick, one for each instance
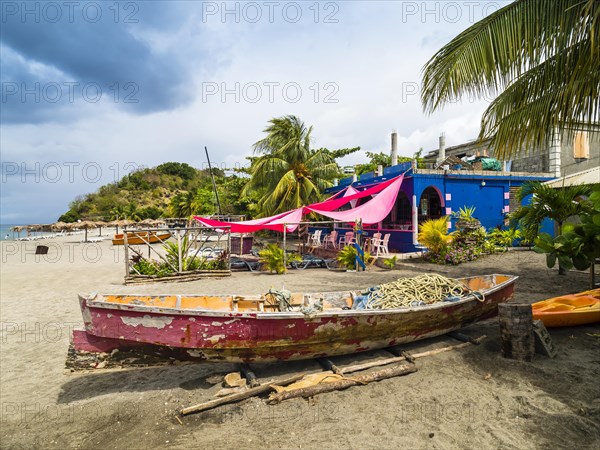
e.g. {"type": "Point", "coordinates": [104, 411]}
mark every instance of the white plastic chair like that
{"type": "Point", "coordinates": [381, 245]}
{"type": "Point", "coordinates": [315, 238]}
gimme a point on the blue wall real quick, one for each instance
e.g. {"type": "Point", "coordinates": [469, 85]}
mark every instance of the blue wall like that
{"type": "Point", "coordinates": [488, 194]}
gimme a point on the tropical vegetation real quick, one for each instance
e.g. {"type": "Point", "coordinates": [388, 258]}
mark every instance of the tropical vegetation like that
{"type": "Point", "coordinates": [538, 58]}
{"type": "Point", "coordinates": [579, 243]}
{"type": "Point", "coordinates": [171, 189]}
{"type": "Point", "coordinates": [272, 258]}
{"type": "Point", "coordinates": [465, 244]}
{"type": "Point", "coordinates": [346, 257]}
{"type": "Point", "coordinates": [170, 264]}
{"type": "Point", "coordinates": [545, 202]}
{"type": "Point", "coordinates": [288, 173]}
{"type": "Point", "coordinates": [385, 160]}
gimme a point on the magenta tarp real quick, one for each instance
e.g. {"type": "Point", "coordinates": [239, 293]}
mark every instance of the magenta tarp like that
{"type": "Point", "coordinates": [274, 223]}
{"type": "Point", "coordinates": [333, 204]}
{"type": "Point", "coordinates": [350, 191]}
{"type": "Point", "coordinates": [374, 211]}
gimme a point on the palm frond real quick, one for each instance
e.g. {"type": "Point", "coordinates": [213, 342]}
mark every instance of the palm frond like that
{"type": "Point", "coordinates": [544, 55]}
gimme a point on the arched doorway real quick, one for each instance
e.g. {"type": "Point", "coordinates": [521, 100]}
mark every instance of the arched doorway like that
{"type": "Point", "coordinates": [430, 204]}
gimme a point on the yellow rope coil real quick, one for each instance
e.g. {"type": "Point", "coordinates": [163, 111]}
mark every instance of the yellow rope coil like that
{"type": "Point", "coordinates": [406, 292]}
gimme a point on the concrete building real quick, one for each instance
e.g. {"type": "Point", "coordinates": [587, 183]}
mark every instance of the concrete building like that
{"type": "Point", "coordinates": [565, 155]}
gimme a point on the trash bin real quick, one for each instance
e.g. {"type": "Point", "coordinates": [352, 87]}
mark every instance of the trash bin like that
{"type": "Point", "coordinates": [41, 250]}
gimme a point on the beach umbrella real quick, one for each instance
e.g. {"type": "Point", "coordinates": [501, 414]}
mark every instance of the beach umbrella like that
{"type": "Point", "coordinates": [18, 229]}
{"type": "Point", "coordinates": [100, 224]}
{"type": "Point", "coordinates": [86, 225]}
{"type": "Point", "coordinates": [148, 222]}
{"type": "Point", "coordinates": [59, 226]}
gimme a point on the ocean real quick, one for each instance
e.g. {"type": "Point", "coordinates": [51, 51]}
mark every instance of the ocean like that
{"type": "Point", "coordinates": [7, 235]}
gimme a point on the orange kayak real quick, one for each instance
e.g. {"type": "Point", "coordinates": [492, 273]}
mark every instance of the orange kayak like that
{"type": "Point", "coordinates": [569, 310]}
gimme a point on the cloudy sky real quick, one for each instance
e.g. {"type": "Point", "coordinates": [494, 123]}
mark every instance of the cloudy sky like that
{"type": "Point", "coordinates": [92, 90]}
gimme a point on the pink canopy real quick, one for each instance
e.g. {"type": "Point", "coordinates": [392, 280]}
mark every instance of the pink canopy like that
{"type": "Point", "coordinates": [275, 223]}
{"type": "Point", "coordinates": [333, 204]}
{"type": "Point", "coordinates": [350, 191]}
{"type": "Point", "coordinates": [373, 211]}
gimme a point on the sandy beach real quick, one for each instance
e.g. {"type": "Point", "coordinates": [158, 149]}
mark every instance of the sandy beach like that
{"type": "Point", "coordinates": [469, 398]}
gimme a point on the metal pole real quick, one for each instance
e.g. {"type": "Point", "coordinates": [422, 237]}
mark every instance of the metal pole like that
{"type": "Point", "coordinates": [229, 246]}
{"type": "Point", "coordinates": [179, 249]}
{"type": "Point", "coordinates": [126, 249]}
{"type": "Point", "coordinates": [213, 181]}
{"type": "Point", "coordinates": [284, 245]}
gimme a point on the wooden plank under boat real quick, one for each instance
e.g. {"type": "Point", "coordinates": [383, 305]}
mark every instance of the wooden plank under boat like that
{"type": "Point", "coordinates": [569, 310]}
{"type": "Point", "coordinates": [141, 237]}
{"type": "Point", "coordinates": [248, 329]}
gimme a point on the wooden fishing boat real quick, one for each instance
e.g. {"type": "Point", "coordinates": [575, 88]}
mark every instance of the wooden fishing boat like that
{"type": "Point", "coordinates": [141, 237]}
{"type": "Point", "coordinates": [252, 329]}
{"type": "Point", "coordinates": [569, 310]}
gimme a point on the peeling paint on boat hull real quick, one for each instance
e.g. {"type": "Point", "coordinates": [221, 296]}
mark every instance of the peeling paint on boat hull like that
{"type": "Point", "coordinates": [263, 337]}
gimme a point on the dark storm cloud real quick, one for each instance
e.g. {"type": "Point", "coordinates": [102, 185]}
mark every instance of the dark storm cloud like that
{"type": "Point", "coordinates": [54, 57]}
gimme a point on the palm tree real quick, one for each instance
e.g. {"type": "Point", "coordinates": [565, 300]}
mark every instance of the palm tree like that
{"type": "Point", "coordinates": [182, 204]}
{"type": "Point", "coordinates": [118, 212]}
{"type": "Point", "coordinates": [288, 174]}
{"type": "Point", "coordinates": [542, 56]}
{"type": "Point", "coordinates": [132, 212]}
{"type": "Point", "coordinates": [548, 203]}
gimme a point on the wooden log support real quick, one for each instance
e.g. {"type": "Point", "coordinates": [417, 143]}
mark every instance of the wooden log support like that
{"type": "Point", "coordinates": [516, 331]}
{"type": "Point", "coordinates": [397, 351]}
{"type": "Point", "coordinates": [345, 383]}
{"type": "Point", "coordinates": [462, 337]}
{"type": "Point", "coordinates": [249, 375]}
{"type": "Point", "coordinates": [327, 364]}
{"type": "Point", "coordinates": [265, 387]}
{"type": "Point", "coordinates": [252, 392]}
{"type": "Point", "coordinates": [383, 362]}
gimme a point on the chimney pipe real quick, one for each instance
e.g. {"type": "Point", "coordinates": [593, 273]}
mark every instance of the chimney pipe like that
{"type": "Point", "coordinates": [442, 149]}
{"type": "Point", "coordinates": [394, 153]}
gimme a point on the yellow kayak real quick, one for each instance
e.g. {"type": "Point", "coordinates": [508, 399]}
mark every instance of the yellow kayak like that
{"type": "Point", "coordinates": [569, 310]}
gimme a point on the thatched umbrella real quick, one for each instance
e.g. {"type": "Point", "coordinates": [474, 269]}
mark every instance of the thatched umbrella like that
{"type": "Point", "coordinates": [119, 223]}
{"type": "Point", "coordinates": [18, 229]}
{"type": "Point", "coordinates": [147, 222]}
{"type": "Point", "coordinates": [86, 225]}
{"type": "Point", "coordinates": [59, 226]}
{"type": "Point", "coordinates": [100, 224]}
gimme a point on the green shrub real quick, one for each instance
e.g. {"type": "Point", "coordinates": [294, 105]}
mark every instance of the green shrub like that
{"type": "Point", "coordinates": [390, 263]}
{"type": "Point", "coordinates": [433, 234]}
{"type": "Point", "coordinates": [272, 258]}
{"type": "Point", "coordinates": [347, 257]}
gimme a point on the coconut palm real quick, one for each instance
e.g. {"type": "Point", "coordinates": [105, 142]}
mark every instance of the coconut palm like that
{"type": "Point", "coordinates": [132, 212]}
{"type": "Point", "coordinates": [547, 203]}
{"type": "Point", "coordinates": [542, 56]}
{"type": "Point", "coordinates": [182, 204]}
{"type": "Point", "coordinates": [288, 174]}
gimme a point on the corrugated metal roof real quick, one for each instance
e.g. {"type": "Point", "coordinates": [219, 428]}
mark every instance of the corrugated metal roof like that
{"type": "Point", "coordinates": [590, 176]}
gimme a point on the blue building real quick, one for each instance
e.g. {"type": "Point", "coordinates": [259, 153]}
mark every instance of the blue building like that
{"type": "Point", "coordinates": [432, 193]}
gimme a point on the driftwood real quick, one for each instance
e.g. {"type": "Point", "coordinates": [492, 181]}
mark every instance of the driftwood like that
{"type": "Point", "coordinates": [252, 392]}
{"type": "Point", "coordinates": [383, 362]}
{"type": "Point", "coordinates": [345, 383]}
{"type": "Point", "coordinates": [184, 276]}
{"type": "Point", "coordinates": [265, 387]}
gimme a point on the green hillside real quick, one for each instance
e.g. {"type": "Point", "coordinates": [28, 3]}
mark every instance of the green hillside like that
{"type": "Point", "coordinates": [169, 190]}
